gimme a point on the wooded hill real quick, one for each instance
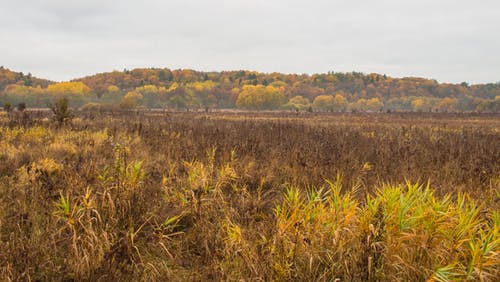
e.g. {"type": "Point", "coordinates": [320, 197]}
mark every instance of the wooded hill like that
{"type": "Point", "coordinates": [8, 77]}
{"type": "Point", "coordinates": [181, 89]}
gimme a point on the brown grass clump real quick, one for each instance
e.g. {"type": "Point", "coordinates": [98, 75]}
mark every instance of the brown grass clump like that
{"type": "Point", "coordinates": [231, 197]}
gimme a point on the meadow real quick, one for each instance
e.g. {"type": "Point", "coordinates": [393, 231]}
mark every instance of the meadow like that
{"type": "Point", "coordinates": [250, 196]}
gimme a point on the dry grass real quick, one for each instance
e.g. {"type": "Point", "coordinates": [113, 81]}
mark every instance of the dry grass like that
{"type": "Point", "coordinates": [246, 197]}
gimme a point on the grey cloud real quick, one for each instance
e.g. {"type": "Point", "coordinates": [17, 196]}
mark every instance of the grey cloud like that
{"type": "Point", "coordinates": [447, 40]}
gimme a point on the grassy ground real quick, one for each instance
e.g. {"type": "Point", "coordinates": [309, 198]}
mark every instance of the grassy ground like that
{"type": "Point", "coordinates": [253, 196]}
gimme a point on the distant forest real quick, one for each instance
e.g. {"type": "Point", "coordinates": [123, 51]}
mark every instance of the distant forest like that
{"type": "Point", "coordinates": [189, 89]}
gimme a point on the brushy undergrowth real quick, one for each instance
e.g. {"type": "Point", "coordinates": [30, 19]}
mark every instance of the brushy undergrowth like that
{"type": "Point", "coordinates": [90, 203]}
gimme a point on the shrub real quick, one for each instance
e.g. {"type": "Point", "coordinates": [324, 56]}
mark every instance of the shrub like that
{"type": "Point", "coordinates": [61, 111]}
{"type": "Point", "coordinates": [21, 107]}
{"type": "Point", "coordinates": [7, 107]}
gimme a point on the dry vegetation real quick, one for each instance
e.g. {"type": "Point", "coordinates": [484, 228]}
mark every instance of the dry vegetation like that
{"type": "Point", "coordinates": [254, 197]}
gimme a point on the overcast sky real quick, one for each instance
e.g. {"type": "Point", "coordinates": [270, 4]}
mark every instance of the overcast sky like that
{"type": "Point", "coordinates": [449, 40]}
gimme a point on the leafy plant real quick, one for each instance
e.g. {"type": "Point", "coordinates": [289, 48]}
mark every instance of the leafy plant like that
{"type": "Point", "coordinates": [21, 107]}
{"type": "Point", "coordinates": [7, 107]}
{"type": "Point", "coordinates": [61, 111]}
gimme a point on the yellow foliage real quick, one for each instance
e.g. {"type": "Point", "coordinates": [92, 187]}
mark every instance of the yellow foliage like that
{"type": "Point", "coordinates": [323, 102]}
{"type": "Point", "coordinates": [297, 103]}
{"type": "Point", "coordinates": [70, 88]}
{"type": "Point", "coordinates": [374, 104]}
{"type": "Point", "coordinates": [113, 89]}
{"type": "Point", "coordinates": [99, 137]}
{"type": "Point", "coordinates": [448, 104]}
{"type": "Point", "coordinates": [17, 89]}
{"type": "Point", "coordinates": [202, 86]}
{"type": "Point", "coordinates": [147, 89]}
{"type": "Point", "coordinates": [173, 87]}
{"type": "Point", "coordinates": [259, 97]}
{"type": "Point", "coordinates": [131, 100]}
{"type": "Point", "coordinates": [36, 134]}
{"type": "Point", "coordinates": [278, 84]}
{"type": "Point", "coordinates": [339, 102]}
{"type": "Point", "coordinates": [59, 146]}
{"type": "Point", "coordinates": [420, 105]}
{"type": "Point", "coordinates": [8, 151]}
{"type": "Point", "coordinates": [49, 165]}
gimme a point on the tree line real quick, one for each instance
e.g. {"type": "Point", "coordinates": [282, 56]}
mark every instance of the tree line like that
{"type": "Point", "coordinates": [189, 89]}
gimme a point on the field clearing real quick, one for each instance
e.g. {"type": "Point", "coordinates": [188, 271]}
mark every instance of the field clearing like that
{"type": "Point", "coordinates": [246, 195]}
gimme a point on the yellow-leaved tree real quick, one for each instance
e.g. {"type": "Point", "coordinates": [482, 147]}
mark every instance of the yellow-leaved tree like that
{"type": "Point", "coordinates": [420, 105]}
{"type": "Point", "coordinates": [260, 97]}
{"type": "Point", "coordinates": [374, 105]}
{"type": "Point", "coordinates": [201, 94]}
{"type": "Point", "coordinates": [324, 103]}
{"type": "Point", "coordinates": [339, 102]}
{"type": "Point", "coordinates": [297, 103]}
{"type": "Point", "coordinates": [448, 104]}
{"type": "Point", "coordinates": [131, 100]}
{"type": "Point", "coordinates": [70, 88]}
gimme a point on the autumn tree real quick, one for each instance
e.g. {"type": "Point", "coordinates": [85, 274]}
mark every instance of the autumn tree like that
{"type": "Point", "coordinates": [76, 92]}
{"type": "Point", "coordinates": [305, 90]}
{"type": "Point", "coordinates": [374, 105]}
{"type": "Point", "coordinates": [298, 103]}
{"type": "Point", "coordinates": [150, 94]}
{"type": "Point", "coordinates": [398, 104]}
{"type": "Point", "coordinates": [112, 95]}
{"type": "Point", "coordinates": [324, 103]}
{"type": "Point", "coordinates": [421, 105]}
{"type": "Point", "coordinates": [447, 104]}
{"type": "Point", "coordinates": [202, 93]}
{"type": "Point", "coordinates": [359, 106]}
{"type": "Point", "coordinates": [259, 97]}
{"type": "Point", "coordinates": [19, 90]}
{"type": "Point", "coordinates": [339, 102]}
{"type": "Point", "coordinates": [113, 89]}
{"type": "Point", "coordinates": [489, 105]}
{"type": "Point", "coordinates": [215, 89]}
{"type": "Point", "coordinates": [131, 100]}
{"type": "Point", "coordinates": [182, 96]}
{"type": "Point", "coordinates": [69, 88]}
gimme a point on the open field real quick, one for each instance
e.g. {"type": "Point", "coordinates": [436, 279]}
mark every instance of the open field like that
{"type": "Point", "coordinates": [252, 196]}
